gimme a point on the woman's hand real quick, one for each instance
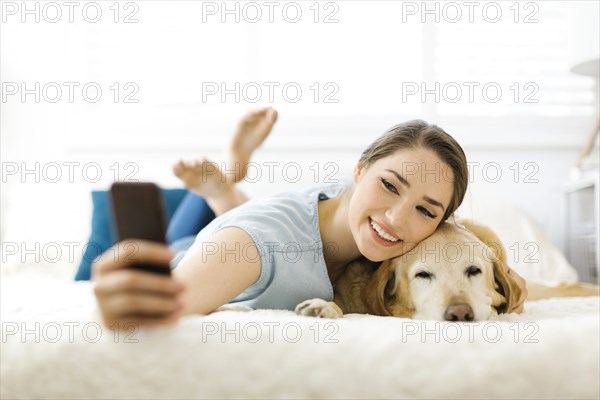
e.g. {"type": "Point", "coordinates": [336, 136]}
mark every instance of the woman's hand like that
{"type": "Point", "coordinates": [128, 297]}
{"type": "Point", "coordinates": [518, 307]}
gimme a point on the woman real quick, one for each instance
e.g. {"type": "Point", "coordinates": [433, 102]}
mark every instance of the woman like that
{"type": "Point", "coordinates": [279, 251]}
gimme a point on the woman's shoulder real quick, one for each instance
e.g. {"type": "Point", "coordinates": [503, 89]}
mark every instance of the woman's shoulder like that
{"type": "Point", "coordinates": [297, 201]}
{"type": "Point", "coordinates": [288, 215]}
{"type": "Point", "coordinates": [306, 194]}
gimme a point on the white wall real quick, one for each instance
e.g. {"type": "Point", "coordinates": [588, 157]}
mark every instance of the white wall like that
{"type": "Point", "coordinates": [49, 213]}
{"type": "Point", "coordinates": [152, 136]}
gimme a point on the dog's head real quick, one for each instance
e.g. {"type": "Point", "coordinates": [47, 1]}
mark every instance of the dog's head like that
{"type": "Point", "coordinates": [458, 273]}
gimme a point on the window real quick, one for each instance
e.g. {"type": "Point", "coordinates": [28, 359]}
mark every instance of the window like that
{"type": "Point", "coordinates": [189, 72]}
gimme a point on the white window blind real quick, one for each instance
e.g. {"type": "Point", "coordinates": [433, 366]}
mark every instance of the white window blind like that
{"type": "Point", "coordinates": [354, 64]}
{"type": "Point", "coordinates": [359, 65]}
{"type": "Point", "coordinates": [527, 54]}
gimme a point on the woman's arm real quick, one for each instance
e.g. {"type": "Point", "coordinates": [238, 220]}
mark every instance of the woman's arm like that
{"type": "Point", "coordinates": [210, 276]}
{"type": "Point", "coordinates": [218, 270]}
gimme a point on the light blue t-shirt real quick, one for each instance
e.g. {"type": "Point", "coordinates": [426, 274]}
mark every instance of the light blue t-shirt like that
{"type": "Point", "coordinates": [285, 229]}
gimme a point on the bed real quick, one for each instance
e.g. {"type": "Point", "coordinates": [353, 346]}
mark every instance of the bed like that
{"type": "Point", "coordinates": [55, 349]}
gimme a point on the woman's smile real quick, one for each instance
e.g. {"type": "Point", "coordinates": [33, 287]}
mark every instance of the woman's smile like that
{"type": "Point", "coordinates": [382, 235]}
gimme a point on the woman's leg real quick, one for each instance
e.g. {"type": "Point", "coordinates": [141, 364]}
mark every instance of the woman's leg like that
{"type": "Point", "coordinates": [204, 178]}
{"type": "Point", "coordinates": [192, 214]}
{"type": "Point", "coordinates": [217, 189]}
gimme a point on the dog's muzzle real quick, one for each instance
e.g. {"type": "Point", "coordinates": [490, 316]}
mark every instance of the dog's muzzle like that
{"type": "Point", "coordinates": [459, 312]}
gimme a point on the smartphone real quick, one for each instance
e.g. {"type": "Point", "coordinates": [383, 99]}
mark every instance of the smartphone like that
{"type": "Point", "coordinates": [139, 213]}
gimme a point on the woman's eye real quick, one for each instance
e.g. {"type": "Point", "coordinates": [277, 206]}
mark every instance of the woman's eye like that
{"type": "Point", "coordinates": [389, 186]}
{"type": "Point", "coordinates": [425, 212]}
{"type": "Point", "coordinates": [473, 270]}
{"type": "Point", "coordinates": [424, 275]}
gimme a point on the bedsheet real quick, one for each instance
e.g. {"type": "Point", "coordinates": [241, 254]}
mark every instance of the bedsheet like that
{"type": "Point", "coordinates": [52, 348]}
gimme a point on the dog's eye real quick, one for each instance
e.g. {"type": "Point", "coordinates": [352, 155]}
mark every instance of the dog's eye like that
{"type": "Point", "coordinates": [473, 270]}
{"type": "Point", "coordinates": [424, 275]}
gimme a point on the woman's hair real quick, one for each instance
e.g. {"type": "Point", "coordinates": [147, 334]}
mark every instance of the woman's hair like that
{"type": "Point", "coordinates": [419, 134]}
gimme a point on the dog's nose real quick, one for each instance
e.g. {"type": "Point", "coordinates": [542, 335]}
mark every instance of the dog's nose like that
{"type": "Point", "coordinates": [459, 312]}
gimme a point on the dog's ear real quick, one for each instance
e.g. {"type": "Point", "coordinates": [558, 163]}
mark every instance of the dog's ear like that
{"type": "Point", "coordinates": [381, 289]}
{"type": "Point", "coordinates": [505, 286]}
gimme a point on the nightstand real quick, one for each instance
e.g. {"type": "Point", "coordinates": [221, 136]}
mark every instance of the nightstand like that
{"type": "Point", "coordinates": [582, 227]}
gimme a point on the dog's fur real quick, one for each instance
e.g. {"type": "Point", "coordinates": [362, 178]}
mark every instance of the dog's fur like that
{"type": "Point", "coordinates": [459, 273]}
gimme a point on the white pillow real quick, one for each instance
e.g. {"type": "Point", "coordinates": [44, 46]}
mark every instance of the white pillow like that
{"type": "Point", "coordinates": [529, 252]}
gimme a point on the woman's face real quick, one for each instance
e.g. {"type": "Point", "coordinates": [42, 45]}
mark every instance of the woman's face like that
{"type": "Point", "coordinates": [398, 201]}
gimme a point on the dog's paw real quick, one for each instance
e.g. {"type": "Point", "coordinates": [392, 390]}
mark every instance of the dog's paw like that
{"type": "Point", "coordinates": [319, 308]}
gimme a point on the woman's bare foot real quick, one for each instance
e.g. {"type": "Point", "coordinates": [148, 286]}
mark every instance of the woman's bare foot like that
{"type": "Point", "coordinates": [206, 179]}
{"type": "Point", "coordinates": [252, 130]}
{"type": "Point", "coordinates": [203, 177]}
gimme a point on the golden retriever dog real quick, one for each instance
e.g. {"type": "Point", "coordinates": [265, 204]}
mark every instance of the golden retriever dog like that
{"type": "Point", "coordinates": [458, 273]}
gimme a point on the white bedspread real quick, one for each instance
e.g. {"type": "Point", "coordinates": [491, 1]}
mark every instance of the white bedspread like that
{"type": "Point", "coordinates": [551, 351]}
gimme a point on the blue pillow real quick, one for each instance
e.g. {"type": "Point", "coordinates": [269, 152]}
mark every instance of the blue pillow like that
{"type": "Point", "coordinates": [102, 237]}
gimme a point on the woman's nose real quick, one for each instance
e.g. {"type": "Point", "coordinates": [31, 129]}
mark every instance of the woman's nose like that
{"type": "Point", "coordinates": [397, 215]}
